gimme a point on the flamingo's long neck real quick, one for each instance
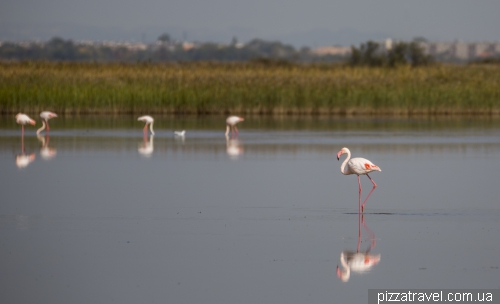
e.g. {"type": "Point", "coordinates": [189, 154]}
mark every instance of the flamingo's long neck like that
{"type": "Point", "coordinates": [342, 168]}
{"type": "Point", "coordinates": [41, 128]}
{"type": "Point", "coordinates": [151, 128]}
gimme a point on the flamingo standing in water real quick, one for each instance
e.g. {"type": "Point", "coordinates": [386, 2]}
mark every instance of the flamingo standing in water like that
{"type": "Point", "coordinates": [23, 119]}
{"type": "Point", "coordinates": [358, 166]}
{"type": "Point", "coordinates": [231, 122]}
{"type": "Point", "coordinates": [45, 116]}
{"type": "Point", "coordinates": [148, 120]}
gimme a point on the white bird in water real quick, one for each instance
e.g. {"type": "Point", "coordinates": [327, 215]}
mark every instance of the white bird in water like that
{"type": "Point", "coordinates": [180, 133]}
{"type": "Point", "coordinates": [45, 116]}
{"type": "Point", "coordinates": [148, 120]}
{"type": "Point", "coordinates": [358, 166]}
{"type": "Point", "coordinates": [23, 119]}
{"type": "Point", "coordinates": [231, 122]}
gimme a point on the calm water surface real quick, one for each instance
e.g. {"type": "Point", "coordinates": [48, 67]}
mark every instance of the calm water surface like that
{"type": "Point", "coordinates": [95, 213]}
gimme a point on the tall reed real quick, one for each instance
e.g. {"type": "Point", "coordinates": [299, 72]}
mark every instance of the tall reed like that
{"type": "Point", "coordinates": [247, 88]}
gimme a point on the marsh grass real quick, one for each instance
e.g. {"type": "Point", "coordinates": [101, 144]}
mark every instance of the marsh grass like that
{"type": "Point", "coordinates": [221, 88]}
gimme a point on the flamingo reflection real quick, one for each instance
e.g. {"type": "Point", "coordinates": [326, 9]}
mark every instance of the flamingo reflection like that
{"type": "Point", "coordinates": [359, 262]}
{"type": "Point", "coordinates": [23, 160]}
{"type": "Point", "coordinates": [146, 147]}
{"type": "Point", "coordinates": [46, 152]}
{"type": "Point", "coordinates": [233, 148]}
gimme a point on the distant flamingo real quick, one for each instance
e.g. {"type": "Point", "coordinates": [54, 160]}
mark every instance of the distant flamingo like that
{"type": "Point", "coordinates": [231, 122]}
{"type": "Point", "coordinates": [45, 116]}
{"type": "Point", "coordinates": [23, 119]}
{"type": "Point", "coordinates": [148, 120]}
{"type": "Point", "coordinates": [358, 166]}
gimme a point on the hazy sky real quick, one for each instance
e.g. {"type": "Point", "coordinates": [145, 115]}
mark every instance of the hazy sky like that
{"type": "Point", "coordinates": [319, 22]}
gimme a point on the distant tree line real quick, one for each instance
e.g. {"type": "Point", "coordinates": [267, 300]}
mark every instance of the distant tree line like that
{"type": "Point", "coordinates": [370, 54]}
{"type": "Point", "coordinates": [58, 49]}
{"type": "Point", "coordinates": [401, 53]}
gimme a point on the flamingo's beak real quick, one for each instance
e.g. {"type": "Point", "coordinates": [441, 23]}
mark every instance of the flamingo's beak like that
{"type": "Point", "coordinates": [338, 155]}
{"type": "Point", "coordinates": [339, 273]}
{"type": "Point", "coordinates": [33, 122]}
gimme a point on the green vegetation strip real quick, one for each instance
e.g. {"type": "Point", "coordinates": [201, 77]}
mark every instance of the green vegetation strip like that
{"type": "Point", "coordinates": [271, 88]}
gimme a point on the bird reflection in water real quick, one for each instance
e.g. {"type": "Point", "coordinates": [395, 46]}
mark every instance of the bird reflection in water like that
{"type": "Point", "coordinates": [46, 152]}
{"type": "Point", "coordinates": [23, 160]}
{"type": "Point", "coordinates": [146, 147]}
{"type": "Point", "coordinates": [233, 148]}
{"type": "Point", "coordinates": [359, 262]}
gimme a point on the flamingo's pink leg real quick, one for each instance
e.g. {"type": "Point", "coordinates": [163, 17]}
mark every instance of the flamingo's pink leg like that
{"type": "Point", "coordinates": [22, 138]}
{"type": "Point", "coordinates": [360, 191]}
{"type": "Point", "coordinates": [145, 130]}
{"type": "Point", "coordinates": [366, 199]}
{"type": "Point", "coordinates": [48, 128]}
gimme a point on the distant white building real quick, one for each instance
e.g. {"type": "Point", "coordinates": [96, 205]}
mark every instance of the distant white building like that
{"type": "Point", "coordinates": [462, 50]}
{"type": "Point", "coordinates": [331, 50]}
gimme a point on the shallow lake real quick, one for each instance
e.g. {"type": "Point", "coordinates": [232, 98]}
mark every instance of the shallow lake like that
{"type": "Point", "coordinates": [97, 213]}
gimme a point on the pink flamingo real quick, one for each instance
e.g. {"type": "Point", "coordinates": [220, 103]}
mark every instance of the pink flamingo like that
{"type": "Point", "coordinates": [231, 122]}
{"type": "Point", "coordinates": [23, 119]}
{"type": "Point", "coordinates": [148, 120]}
{"type": "Point", "coordinates": [45, 116]}
{"type": "Point", "coordinates": [358, 166]}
